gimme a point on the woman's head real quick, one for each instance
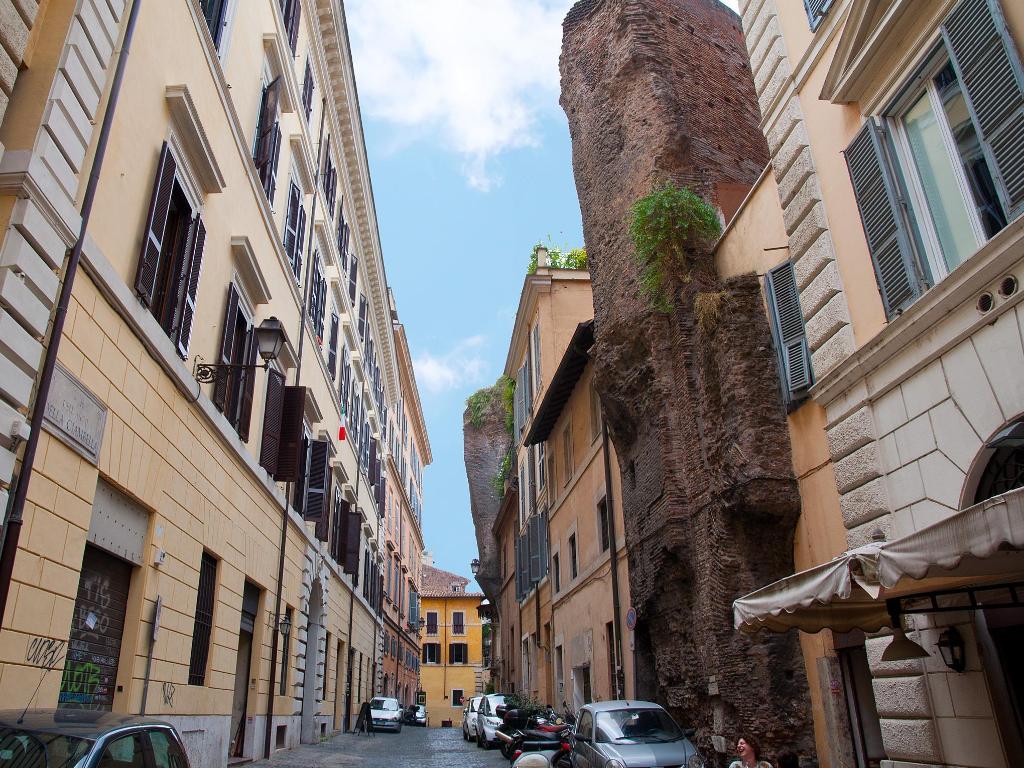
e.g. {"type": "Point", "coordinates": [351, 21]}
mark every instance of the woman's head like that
{"type": "Point", "coordinates": [748, 747]}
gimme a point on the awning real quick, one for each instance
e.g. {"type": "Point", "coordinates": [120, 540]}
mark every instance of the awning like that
{"type": "Point", "coordinates": [981, 545]}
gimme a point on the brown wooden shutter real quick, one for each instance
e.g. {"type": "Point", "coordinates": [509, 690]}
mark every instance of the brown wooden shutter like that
{"type": "Point", "coordinates": [191, 279]}
{"type": "Point", "coordinates": [319, 481]}
{"type": "Point", "coordinates": [271, 442]}
{"type": "Point", "coordinates": [342, 534]}
{"type": "Point", "coordinates": [352, 526]}
{"type": "Point", "coordinates": [156, 223]}
{"type": "Point", "coordinates": [227, 348]}
{"type": "Point", "coordinates": [268, 119]}
{"type": "Point", "coordinates": [248, 387]}
{"type": "Point", "coordinates": [292, 408]}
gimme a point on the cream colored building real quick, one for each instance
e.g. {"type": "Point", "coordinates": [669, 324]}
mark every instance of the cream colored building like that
{"type": "Point", "coordinates": [561, 634]}
{"type": "Point", "coordinates": [889, 233]}
{"type": "Point", "coordinates": [234, 188]}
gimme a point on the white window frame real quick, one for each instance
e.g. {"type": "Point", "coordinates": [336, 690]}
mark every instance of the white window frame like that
{"type": "Point", "coordinates": [920, 207]}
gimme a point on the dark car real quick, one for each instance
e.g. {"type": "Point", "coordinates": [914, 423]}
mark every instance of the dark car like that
{"type": "Point", "coordinates": [65, 738]}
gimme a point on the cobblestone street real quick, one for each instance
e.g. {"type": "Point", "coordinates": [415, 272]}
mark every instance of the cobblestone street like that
{"type": "Point", "coordinates": [425, 747]}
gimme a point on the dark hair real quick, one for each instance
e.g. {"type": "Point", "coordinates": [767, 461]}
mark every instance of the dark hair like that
{"type": "Point", "coordinates": [788, 760]}
{"type": "Point", "coordinates": [753, 743]}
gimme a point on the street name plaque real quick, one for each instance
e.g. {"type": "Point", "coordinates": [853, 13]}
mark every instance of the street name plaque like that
{"type": "Point", "coordinates": [75, 415]}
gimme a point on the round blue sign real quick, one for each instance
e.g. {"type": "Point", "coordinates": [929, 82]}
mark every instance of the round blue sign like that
{"type": "Point", "coordinates": [631, 619]}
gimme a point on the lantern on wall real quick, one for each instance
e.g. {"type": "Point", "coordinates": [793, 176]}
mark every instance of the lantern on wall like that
{"type": "Point", "coordinates": [951, 647]}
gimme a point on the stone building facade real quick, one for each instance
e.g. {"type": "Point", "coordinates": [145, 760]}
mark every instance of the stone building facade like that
{"type": "Point", "coordinates": [234, 188]}
{"type": "Point", "coordinates": [656, 91]}
{"type": "Point", "coordinates": [906, 433]}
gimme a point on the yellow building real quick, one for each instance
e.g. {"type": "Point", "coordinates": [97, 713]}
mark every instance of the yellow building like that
{"type": "Point", "coordinates": [202, 545]}
{"type": "Point", "coordinates": [561, 636]}
{"type": "Point", "coordinates": [888, 229]}
{"type": "Point", "coordinates": [452, 644]}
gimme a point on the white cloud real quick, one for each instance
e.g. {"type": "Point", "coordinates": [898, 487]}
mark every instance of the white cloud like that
{"type": "Point", "coordinates": [473, 75]}
{"type": "Point", "coordinates": [459, 367]}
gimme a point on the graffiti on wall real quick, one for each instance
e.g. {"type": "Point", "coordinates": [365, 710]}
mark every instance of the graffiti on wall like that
{"type": "Point", "coordinates": [45, 652]}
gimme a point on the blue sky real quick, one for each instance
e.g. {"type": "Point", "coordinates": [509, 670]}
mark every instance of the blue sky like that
{"type": "Point", "coordinates": [471, 165]}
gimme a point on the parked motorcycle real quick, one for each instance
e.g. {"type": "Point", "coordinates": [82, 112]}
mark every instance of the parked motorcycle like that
{"type": "Point", "coordinates": [556, 758]}
{"type": "Point", "coordinates": [542, 731]}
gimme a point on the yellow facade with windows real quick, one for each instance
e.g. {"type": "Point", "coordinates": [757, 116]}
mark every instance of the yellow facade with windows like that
{"type": "Point", "coordinates": [451, 643]}
{"type": "Point", "coordinates": [155, 528]}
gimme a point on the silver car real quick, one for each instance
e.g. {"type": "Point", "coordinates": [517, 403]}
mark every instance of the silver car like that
{"type": "Point", "coordinates": [386, 714]}
{"type": "Point", "coordinates": [623, 734]}
{"type": "Point", "coordinates": [487, 719]}
{"type": "Point", "coordinates": [469, 713]}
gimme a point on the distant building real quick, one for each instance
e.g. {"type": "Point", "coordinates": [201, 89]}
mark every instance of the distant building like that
{"type": "Point", "coordinates": [451, 643]}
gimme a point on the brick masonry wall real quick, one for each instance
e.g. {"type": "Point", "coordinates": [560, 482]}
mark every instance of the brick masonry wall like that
{"type": "Point", "coordinates": [655, 90]}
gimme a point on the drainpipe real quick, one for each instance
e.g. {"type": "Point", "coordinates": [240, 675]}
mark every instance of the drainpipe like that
{"type": "Point", "coordinates": [288, 486]}
{"type": "Point", "coordinates": [614, 554]}
{"type": "Point", "coordinates": [12, 528]}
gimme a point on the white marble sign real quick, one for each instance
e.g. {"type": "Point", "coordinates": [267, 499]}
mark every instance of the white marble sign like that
{"type": "Point", "coordinates": [75, 415]}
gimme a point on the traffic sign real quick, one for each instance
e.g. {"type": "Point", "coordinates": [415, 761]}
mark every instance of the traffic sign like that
{"type": "Point", "coordinates": [631, 619]}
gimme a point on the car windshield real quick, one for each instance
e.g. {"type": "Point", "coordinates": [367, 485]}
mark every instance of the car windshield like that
{"type": "Point", "coordinates": [388, 705]}
{"type": "Point", "coordinates": [30, 749]}
{"type": "Point", "coordinates": [496, 701]}
{"type": "Point", "coordinates": [636, 726]}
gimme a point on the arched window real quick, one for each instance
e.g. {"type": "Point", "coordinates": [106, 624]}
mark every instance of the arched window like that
{"type": "Point", "coordinates": [1004, 472]}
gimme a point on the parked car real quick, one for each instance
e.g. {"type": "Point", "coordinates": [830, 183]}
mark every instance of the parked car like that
{"type": "Point", "coordinates": [469, 713]}
{"type": "Point", "coordinates": [488, 720]}
{"type": "Point", "coordinates": [386, 714]}
{"type": "Point", "coordinates": [614, 734]}
{"type": "Point", "coordinates": [62, 738]}
{"type": "Point", "coordinates": [416, 714]}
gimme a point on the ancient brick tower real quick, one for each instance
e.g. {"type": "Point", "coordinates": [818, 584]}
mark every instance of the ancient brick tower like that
{"type": "Point", "coordinates": [660, 90]}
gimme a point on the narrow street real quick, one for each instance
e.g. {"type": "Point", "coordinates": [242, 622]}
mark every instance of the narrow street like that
{"type": "Point", "coordinates": [422, 747]}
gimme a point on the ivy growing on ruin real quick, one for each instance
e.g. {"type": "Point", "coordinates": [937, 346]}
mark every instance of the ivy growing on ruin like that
{"type": "Point", "coordinates": [670, 228]}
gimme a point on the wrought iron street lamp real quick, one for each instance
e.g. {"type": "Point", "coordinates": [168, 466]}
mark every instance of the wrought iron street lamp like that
{"type": "Point", "coordinates": [475, 566]}
{"type": "Point", "coordinates": [951, 647]}
{"type": "Point", "coordinates": [270, 340]}
{"type": "Point", "coordinates": [286, 625]}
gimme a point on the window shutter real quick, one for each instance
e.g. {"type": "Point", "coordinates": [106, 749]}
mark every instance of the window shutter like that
{"type": "Point", "coordinates": [247, 388]}
{"type": "Point", "coordinates": [291, 224]}
{"type": "Point", "coordinates": [292, 23]}
{"type": "Point", "coordinates": [528, 385]}
{"type": "Point", "coordinates": [156, 223]}
{"type": "Point", "coordinates": [880, 211]}
{"type": "Point", "coordinates": [191, 278]}
{"type": "Point", "coordinates": [517, 404]}
{"type": "Point", "coordinates": [299, 487]}
{"type": "Point", "coordinates": [535, 549]}
{"type": "Point", "coordinates": [300, 241]}
{"type": "Point", "coordinates": [816, 11]}
{"type": "Point", "coordinates": [307, 89]}
{"type": "Point", "coordinates": [352, 526]}
{"type": "Point", "coordinates": [289, 457]}
{"type": "Point", "coordinates": [332, 350]}
{"type": "Point", "coordinates": [318, 483]}
{"type": "Point", "coordinates": [362, 316]}
{"type": "Point", "coordinates": [275, 154]}
{"type": "Point", "coordinates": [544, 559]}
{"type": "Point", "coordinates": [267, 122]}
{"type": "Point", "coordinates": [227, 348]}
{"type": "Point", "coordinates": [271, 442]}
{"type": "Point", "coordinates": [788, 329]}
{"type": "Point", "coordinates": [352, 279]}
{"type": "Point", "coordinates": [990, 70]}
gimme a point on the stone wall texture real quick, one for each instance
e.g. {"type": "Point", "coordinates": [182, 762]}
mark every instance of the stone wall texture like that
{"type": "Point", "coordinates": [485, 443]}
{"type": "Point", "coordinates": [659, 90]}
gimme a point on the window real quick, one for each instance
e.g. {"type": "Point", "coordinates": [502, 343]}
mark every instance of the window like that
{"type": "Point", "coordinates": [817, 10]}
{"type": "Point", "coordinates": [203, 620]}
{"type": "Point", "coordinates": [431, 622]}
{"type": "Point", "coordinates": [458, 622]}
{"type": "Point", "coordinates": [329, 179]}
{"type": "Point", "coordinates": [541, 468]}
{"type": "Point", "coordinates": [559, 671]}
{"type": "Point", "coordinates": [604, 535]}
{"type": "Point", "coordinates": [536, 356]}
{"type": "Point", "coordinates": [317, 298]}
{"type": "Point", "coordinates": [939, 172]}
{"type": "Point", "coordinates": [125, 752]}
{"type": "Point", "coordinates": [307, 89]}
{"type": "Point", "coordinates": [457, 697]}
{"type": "Point", "coordinates": [268, 137]}
{"type": "Point", "coordinates": [786, 319]}
{"type": "Point", "coordinates": [295, 229]}
{"type": "Point", "coordinates": [167, 753]}
{"type": "Point", "coordinates": [431, 652]}
{"type": "Point", "coordinates": [595, 412]}
{"type": "Point", "coordinates": [233, 389]}
{"type": "Point", "coordinates": [332, 344]}
{"type": "Point", "coordinates": [553, 484]}
{"type": "Point", "coordinates": [292, 13]}
{"type": "Point", "coordinates": [861, 711]}
{"type": "Point", "coordinates": [352, 274]}
{"type": "Point", "coordinates": [167, 279]}
{"type": "Point", "coordinates": [286, 644]}
{"type": "Point", "coordinates": [573, 564]}
{"type": "Point", "coordinates": [215, 13]}
{"type": "Point", "coordinates": [556, 568]}
{"type": "Point", "coordinates": [458, 653]}
{"type": "Point", "coordinates": [343, 236]}
{"type": "Point", "coordinates": [567, 452]}
{"type": "Point", "coordinates": [361, 326]}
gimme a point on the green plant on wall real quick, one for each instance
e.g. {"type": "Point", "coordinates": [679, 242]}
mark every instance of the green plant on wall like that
{"type": "Point", "coordinates": [669, 227]}
{"type": "Point", "coordinates": [559, 258]}
{"type": "Point", "coordinates": [504, 467]}
{"type": "Point", "coordinates": [508, 398]}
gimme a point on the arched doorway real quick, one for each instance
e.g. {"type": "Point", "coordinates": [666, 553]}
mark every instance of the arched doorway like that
{"type": "Point", "coordinates": [309, 732]}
